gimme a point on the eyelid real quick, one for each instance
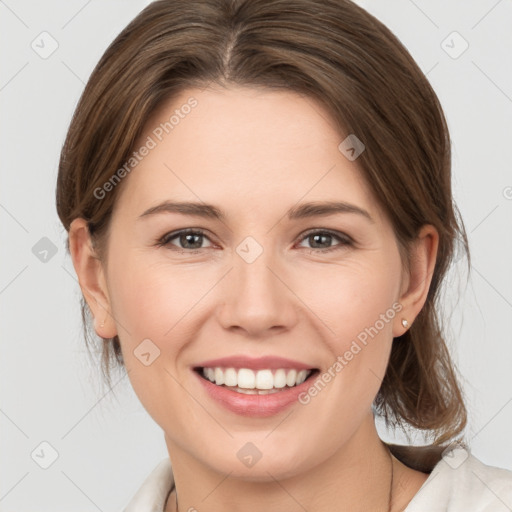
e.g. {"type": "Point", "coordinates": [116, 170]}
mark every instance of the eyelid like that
{"type": "Point", "coordinates": [344, 239]}
{"type": "Point", "coordinates": [338, 234]}
{"type": "Point", "coordinates": [167, 237]}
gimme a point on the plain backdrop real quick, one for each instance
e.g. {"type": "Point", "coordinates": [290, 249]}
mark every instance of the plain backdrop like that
{"type": "Point", "coordinates": [105, 445]}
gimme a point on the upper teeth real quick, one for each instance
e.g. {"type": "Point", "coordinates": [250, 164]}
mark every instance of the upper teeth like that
{"type": "Point", "coordinates": [261, 379]}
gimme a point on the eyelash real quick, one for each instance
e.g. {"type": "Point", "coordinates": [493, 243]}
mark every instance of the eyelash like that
{"type": "Point", "coordinates": [344, 240]}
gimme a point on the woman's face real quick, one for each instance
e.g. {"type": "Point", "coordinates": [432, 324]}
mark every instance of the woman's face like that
{"type": "Point", "coordinates": [266, 278]}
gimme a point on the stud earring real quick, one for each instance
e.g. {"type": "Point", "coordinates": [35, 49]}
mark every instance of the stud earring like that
{"type": "Point", "coordinates": [405, 323]}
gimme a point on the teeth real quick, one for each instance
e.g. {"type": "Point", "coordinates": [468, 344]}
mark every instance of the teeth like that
{"type": "Point", "coordinates": [219, 376]}
{"type": "Point", "coordinates": [230, 378]}
{"type": "Point", "coordinates": [291, 378]}
{"type": "Point", "coordinates": [264, 379]}
{"type": "Point", "coordinates": [246, 378]}
{"type": "Point", "coordinates": [210, 374]}
{"type": "Point", "coordinates": [260, 382]}
{"type": "Point", "coordinates": [280, 379]}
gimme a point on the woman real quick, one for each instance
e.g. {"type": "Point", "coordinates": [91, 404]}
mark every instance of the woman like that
{"type": "Point", "coordinates": [258, 199]}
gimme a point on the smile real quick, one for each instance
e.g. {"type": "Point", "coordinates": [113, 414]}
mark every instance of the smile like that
{"type": "Point", "coordinates": [261, 382]}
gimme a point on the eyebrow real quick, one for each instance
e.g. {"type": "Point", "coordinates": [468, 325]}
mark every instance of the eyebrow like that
{"type": "Point", "coordinates": [302, 211]}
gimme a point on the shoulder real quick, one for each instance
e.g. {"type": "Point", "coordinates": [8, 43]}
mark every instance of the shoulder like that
{"type": "Point", "coordinates": [152, 494]}
{"type": "Point", "coordinates": [461, 482]}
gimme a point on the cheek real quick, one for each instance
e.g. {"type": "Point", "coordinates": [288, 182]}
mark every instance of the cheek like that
{"type": "Point", "coordinates": [359, 305]}
{"type": "Point", "coordinates": [339, 305]}
{"type": "Point", "coordinates": [153, 300]}
{"type": "Point", "coordinates": [162, 300]}
{"type": "Point", "coordinates": [150, 303]}
{"type": "Point", "coordinates": [353, 298]}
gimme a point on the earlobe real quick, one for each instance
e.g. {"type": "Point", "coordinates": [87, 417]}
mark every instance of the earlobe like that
{"type": "Point", "coordinates": [423, 260]}
{"type": "Point", "coordinates": [91, 277]}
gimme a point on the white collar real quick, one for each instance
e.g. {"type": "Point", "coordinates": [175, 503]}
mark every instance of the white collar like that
{"type": "Point", "coordinates": [153, 492]}
{"type": "Point", "coordinates": [471, 485]}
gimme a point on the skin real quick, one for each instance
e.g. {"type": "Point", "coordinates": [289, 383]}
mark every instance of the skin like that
{"type": "Point", "coordinates": [256, 153]}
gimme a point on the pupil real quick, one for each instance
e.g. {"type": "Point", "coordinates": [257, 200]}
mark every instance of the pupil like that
{"type": "Point", "coordinates": [317, 236]}
{"type": "Point", "coordinates": [190, 235]}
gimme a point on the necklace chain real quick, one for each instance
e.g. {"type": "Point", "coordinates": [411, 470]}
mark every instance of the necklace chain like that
{"type": "Point", "coordinates": [390, 485]}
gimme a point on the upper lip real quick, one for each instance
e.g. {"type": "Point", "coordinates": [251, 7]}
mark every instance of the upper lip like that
{"type": "Point", "coordinates": [256, 363]}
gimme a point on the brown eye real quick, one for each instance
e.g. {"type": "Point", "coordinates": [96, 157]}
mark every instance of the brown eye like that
{"type": "Point", "coordinates": [188, 240]}
{"type": "Point", "coordinates": [324, 238]}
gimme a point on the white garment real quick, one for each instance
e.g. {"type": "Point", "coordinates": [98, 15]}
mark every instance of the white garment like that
{"type": "Point", "coordinates": [461, 483]}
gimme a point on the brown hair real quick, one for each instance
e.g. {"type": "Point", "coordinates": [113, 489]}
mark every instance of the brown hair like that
{"type": "Point", "coordinates": [329, 50]}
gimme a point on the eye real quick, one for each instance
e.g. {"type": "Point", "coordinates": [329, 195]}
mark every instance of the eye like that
{"type": "Point", "coordinates": [325, 237]}
{"type": "Point", "coordinates": [191, 240]}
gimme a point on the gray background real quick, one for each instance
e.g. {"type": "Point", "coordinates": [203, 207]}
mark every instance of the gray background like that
{"type": "Point", "coordinates": [51, 392]}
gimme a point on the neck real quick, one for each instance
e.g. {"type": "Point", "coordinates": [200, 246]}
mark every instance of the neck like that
{"type": "Point", "coordinates": [356, 477]}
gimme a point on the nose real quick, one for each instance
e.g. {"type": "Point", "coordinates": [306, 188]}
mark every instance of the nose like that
{"type": "Point", "coordinates": [257, 299]}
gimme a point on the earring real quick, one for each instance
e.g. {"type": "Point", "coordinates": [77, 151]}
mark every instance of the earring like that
{"type": "Point", "coordinates": [405, 323]}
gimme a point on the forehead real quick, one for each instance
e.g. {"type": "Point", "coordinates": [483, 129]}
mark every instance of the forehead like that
{"type": "Point", "coordinates": [251, 146]}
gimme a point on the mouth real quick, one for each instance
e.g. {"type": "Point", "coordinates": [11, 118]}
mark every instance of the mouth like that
{"type": "Point", "coordinates": [256, 382]}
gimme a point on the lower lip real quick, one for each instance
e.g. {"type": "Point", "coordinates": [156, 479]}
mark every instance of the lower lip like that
{"type": "Point", "coordinates": [261, 406]}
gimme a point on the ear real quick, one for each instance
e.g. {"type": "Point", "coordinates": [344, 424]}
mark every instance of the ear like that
{"type": "Point", "coordinates": [416, 282]}
{"type": "Point", "coordinates": [91, 278]}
